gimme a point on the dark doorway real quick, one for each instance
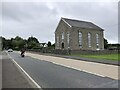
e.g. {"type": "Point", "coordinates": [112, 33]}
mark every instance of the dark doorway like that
{"type": "Point", "coordinates": [62, 45]}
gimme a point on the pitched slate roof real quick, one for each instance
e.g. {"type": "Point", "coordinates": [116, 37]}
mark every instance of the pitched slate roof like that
{"type": "Point", "coordinates": [82, 24]}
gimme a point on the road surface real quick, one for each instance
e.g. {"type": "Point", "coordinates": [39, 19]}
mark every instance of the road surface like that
{"type": "Point", "coordinates": [104, 70]}
{"type": "Point", "coordinates": [12, 76]}
{"type": "Point", "coordinates": [49, 75]}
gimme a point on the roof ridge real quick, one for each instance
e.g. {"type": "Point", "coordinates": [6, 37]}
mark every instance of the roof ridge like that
{"type": "Point", "coordinates": [77, 20]}
{"type": "Point", "coordinates": [80, 23]}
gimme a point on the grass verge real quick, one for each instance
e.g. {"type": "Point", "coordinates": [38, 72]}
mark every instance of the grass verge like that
{"type": "Point", "coordinates": [105, 57]}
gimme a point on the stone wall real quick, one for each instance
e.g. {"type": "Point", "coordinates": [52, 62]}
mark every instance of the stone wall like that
{"type": "Point", "coordinates": [67, 52]}
{"type": "Point", "coordinates": [94, 52]}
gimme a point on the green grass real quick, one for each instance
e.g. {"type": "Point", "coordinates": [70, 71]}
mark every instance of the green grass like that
{"type": "Point", "coordinates": [106, 56]}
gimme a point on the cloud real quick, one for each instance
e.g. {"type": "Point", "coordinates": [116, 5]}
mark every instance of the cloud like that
{"type": "Point", "coordinates": [26, 19]}
{"type": "Point", "coordinates": [103, 14]}
{"type": "Point", "coordinates": [40, 19]}
{"type": "Point", "coordinates": [119, 22]}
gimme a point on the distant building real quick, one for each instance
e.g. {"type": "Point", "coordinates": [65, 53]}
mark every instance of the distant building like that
{"type": "Point", "coordinates": [76, 35]}
{"type": "Point", "coordinates": [43, 45]}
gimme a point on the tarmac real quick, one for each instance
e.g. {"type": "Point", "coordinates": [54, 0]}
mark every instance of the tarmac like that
{"type": "Point", "coordinates": [12, 77]}
{"type": "Point", "coordinates": [100, 69]}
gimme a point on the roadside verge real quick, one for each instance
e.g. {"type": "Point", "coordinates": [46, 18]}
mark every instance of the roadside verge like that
{"type": "Point", "coordinates": [104, 70]}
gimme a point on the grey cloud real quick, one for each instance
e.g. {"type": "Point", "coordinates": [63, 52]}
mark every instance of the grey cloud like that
{"type": "Point", "coordinates": [119, 22]}
{"type": "Point", "coordinates": [12, 11]}
{"type": "Point", "coordinates": [32, 19]}
{"type": "Point", "coordinates": [21, 11]}
{"type": "Point", "coordinates": [41, 19]}
{"type": "Point", "coordinates": [104, 15]}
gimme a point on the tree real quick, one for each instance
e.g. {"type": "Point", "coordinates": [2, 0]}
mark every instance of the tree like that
{"type": "Point", "coordinates": [32, 43]}
{"type": "Point", "coordinates": [105, 43]}
{"type": "Point", "coordinates": [49, 44]}
{"type": "Point", "coordinates": [18, 43]}
{"type": "Point", "coordinates": [32, 39]}
{"type": "Point", "coordinates": [6, 43]}
{"type": "Point", "coordinates": [3, 42]}
{"type": "Point", "coordinates": [53, 45]}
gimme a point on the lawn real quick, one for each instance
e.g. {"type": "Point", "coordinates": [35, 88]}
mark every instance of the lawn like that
{"type": "Point", "coordinates": [106, 56]}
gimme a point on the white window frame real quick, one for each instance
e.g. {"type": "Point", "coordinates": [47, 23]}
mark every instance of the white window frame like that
{"type": "Point", "coordinates": [68, 39]}
{"type": "Point", "coordinates": [97, 41]}
{"type": "Point", "coordinates": [80, 39]}
{"type": "Point", "coordinates": [89, 39]}
{"type": "Point", "coordinates": [62, 35]}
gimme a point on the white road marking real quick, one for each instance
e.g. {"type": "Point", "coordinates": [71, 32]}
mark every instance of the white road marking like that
{"type": "Point", "coordinates": [78, 69]}
{"type": "Point", "coordinates": [102, 70]}
{"type": "Point", "coordinates": [93, 73]}
{"type": "Point", "coordinates": [38, 86]}
{"type": "Point", "coordinates": [72, 67]}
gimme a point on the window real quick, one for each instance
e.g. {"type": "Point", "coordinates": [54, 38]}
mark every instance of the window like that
{"type": "Point", "coordinates": [62, 35]}
{"type": "Point", "coordinates": [80, 39]}
{"type": "Point", "coordinates": [68, 39]}
{"type": "Point", "coordinates": [57, 41]}
{"type": "Point", "coordinates": [89, 39]}
{"type": "Point", "coordinates": [62, 45]}
{"type": "Point", "coordinates": [97, 40]}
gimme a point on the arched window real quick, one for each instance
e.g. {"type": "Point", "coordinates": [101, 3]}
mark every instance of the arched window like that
{"type": "Point", "coordinates": [62, 35]}
{"type": "Point", "coordinates": [89, 39]}
{"type": "Point", "coordinates": [97, 40]}
{"type": "Point", "coordinates": [62, 45]}
{"type": "Point", "coordinates": [58, 41]}
{"type": "Point", "coordinates": [68, 39]}
{"type": "Point", "coordinates": [80, 39]}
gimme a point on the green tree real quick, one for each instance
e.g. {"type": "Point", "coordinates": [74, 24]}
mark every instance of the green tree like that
{"type": "Point", "coordinates": [3, 42]}
{"type": "Point", "coordinates": [49, 44]}
{"type": "Point", "coordinates": [105, 43]}
{"type": "Point", "coordinates": [18, 43]}
{"type": "Point", "coordinates": [6, 43]}
{"type": "Point", "coordinates": [32, 43]}
{"type": "Point", "coordinates": [53, 45]}
{"type": "Point", "coordinates": [33, 39]}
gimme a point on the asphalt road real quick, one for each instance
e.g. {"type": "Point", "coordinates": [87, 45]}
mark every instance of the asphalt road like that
{"type": "Point", "coordinates": [12, 76]}
{"type": "Point", "coordinates": [50, 75]}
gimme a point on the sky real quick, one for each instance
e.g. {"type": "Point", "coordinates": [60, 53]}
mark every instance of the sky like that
{"type": "Point", "coordinates": [39, 18]}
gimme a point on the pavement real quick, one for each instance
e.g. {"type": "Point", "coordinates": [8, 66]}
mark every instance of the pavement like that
{"type": "Point", "coordinates": [104, 70]}
{"type": "Point", "coordinates": [12, 76]}
{"type": "Point", "coordinates": [110, 62]}
{"type": "Point", "coordinates": [48, 74]}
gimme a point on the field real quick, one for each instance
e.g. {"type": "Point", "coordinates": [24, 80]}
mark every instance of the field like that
{"type": "Point", "coordinates": [105, 57]}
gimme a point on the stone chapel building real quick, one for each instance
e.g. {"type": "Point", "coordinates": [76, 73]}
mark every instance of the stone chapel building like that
{"type": "Point", "coordinates": [78, 35]}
